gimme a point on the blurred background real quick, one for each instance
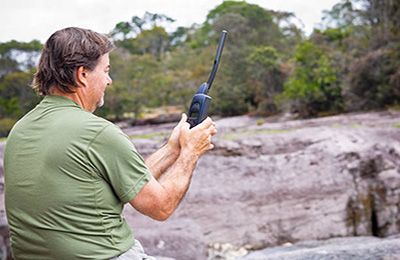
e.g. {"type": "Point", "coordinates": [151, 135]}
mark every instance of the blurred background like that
{"type": "Point", "coordinates": [306, 101]}
{"type": "Point", "coordinates": [344, 58]}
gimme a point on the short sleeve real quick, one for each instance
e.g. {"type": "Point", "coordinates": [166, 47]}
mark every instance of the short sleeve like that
{"type": "Point", "coordinates": [116, 160]}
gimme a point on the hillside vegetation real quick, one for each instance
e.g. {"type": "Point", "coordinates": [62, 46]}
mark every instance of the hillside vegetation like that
{"type": "Point", "coordinates": [351, 63]}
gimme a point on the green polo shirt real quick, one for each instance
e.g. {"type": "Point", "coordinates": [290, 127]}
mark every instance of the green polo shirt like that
{"type": "Point", "coordinates": [68, 174]}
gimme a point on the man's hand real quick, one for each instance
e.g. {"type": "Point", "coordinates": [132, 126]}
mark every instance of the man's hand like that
{"type": "Point", "coordinates": [198, 139]}
{"type": "Point", "coordinates": [162, 194]}
{"type": "Point", "coordinates": [173, 141]}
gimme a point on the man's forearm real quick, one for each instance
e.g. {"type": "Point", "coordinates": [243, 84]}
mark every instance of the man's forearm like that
{"type": "Point", "coordinates": [158, 199]}
{"type": "Point", "coordinates": [176, 179]}
{"type": "Point", "coordinates": [161, 160]}
{"type": "Point", "coordinates": [173, 173]}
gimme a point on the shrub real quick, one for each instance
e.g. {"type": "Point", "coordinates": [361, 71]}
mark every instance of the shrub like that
{"type": "Point", "coordinates": [5, 126]}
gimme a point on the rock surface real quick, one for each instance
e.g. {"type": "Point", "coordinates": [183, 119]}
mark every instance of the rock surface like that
{"type": "Point", "coordinates": [353, 248]}
{"type": "Point", "coordinates": [270, 182]}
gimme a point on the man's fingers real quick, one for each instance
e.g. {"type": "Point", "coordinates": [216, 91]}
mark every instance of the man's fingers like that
{"type": "Point", "coordinates": [213, 130]}
{"type": "Point", "coordinates": [206, 123]}
{"type": "Point", "coordinates": [185, 126]}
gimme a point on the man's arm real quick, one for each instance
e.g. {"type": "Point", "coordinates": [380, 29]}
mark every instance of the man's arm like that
{"type": "Point", "coordinates": [159, 198]}
{"type": "Point", "coordinates": [163, 158]}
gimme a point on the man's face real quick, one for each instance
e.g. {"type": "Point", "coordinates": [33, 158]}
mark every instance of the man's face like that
{"type": "Point", "coordinates": [99, 79]}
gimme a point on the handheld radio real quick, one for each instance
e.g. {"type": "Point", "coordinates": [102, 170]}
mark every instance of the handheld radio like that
{"type": "Point", "coordinates": [198, 110]}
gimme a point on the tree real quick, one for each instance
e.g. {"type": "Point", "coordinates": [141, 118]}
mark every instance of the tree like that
{"type": "Point", "coordinates": [266, 78]}
{"type": "Point", "coordinates": [313, 87]}
{"type": "Point", "coordinates": [254, 34]}
{"type": "Point", "coordinates": [363, 37]}
{"type": "Point", "coordinates": [122, 31]}
{"type": "Point", "coordinates": [154, 41]}
{"type": "Point", "coordinates": [373, 81]}
{"type": "Point", "coordinates": [16, 96]}
{"type": "Point", "coordinates": [143, 34]}
{"type": "Point", "coordinates": [18, 56]}
{"type": "Point", "coordinates": [342, 14]}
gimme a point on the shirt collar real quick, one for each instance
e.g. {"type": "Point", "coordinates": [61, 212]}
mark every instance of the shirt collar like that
{"type": "Point", "coordinates": [60, 101]}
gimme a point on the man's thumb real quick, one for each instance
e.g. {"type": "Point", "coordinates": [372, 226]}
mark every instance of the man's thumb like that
{"type": "Point", "coordinates": [183, 118]}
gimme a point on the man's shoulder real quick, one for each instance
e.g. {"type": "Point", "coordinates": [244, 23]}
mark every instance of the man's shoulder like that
{"type": "Point", "coordinates": [68, 122]}
{"type": "Point", "coordinates": [88, 122]}
{"type": "Point", "coordinates": [98, 126]}
{"type": "Point", "coordinates": [87, 118]}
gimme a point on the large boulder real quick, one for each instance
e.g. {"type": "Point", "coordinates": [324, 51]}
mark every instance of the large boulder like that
{"type": "Point", "coordinates": [351, 248]}
{"type": "Point", "coordinates": [270, 183]}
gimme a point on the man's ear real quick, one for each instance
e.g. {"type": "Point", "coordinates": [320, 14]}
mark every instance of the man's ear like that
{"type": "Point", "coordinates": [81, 76]}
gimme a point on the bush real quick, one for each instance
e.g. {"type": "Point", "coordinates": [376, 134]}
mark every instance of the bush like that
{"type": "Point", "coordinates": [313, 87]}
{"type": "Point", "coordinates": [373, 81]}
{"type": "Point", "coordinates": [5, 126]}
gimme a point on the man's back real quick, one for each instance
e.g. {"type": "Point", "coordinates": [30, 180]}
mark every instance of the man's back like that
{"type": "Point", "coordinates": [64, 191]}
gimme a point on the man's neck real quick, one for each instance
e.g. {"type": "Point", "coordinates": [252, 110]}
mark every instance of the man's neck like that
{"type": "Point", "coordinates": [75, 96]}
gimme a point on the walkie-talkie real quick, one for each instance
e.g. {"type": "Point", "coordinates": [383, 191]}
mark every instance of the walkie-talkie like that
{"type": "Point", "coordinates": [198, 110]}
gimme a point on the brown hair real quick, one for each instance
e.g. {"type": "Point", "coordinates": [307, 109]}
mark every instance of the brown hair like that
{"type": "Point", "coordinates": [64, 52]}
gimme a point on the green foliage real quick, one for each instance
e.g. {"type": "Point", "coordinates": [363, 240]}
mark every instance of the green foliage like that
{"type": "Point", "coordinates": [374, 81]}
{"type": "Point", "coordinates": [342, 14]}
{"type": "Point", "coordinates": [350, 63]}
{"type": "Point", "coordinates": [258, 15]}
{"type": "Point", "coordinates": [265, 56]}
{"type": "Point", "coordinates": [154, 41]}
{"type": "Point", "coordinates": [6, 47]}
{"type": "Point", "coordinates": [5, 126]}
{"type": "Point", "coordinates": [12, 50]}
{"type": "Point", "coordinates": [365, 41]}
{"type": "Point", "coordinates": [122, 30]}
{"type": "Point", "coordinates": [16, 96]}
{"type": "Point", "coordinates": [337, 34]}
{"type": "Point", "coordinates": [144, 34]}
{"type": "Point", "coordinates": [266, 78]}
{"type": "Point", "coordinates": [256, 47]}
{"type": "Point", "coordinates": [248, 24]}
{"type": "Point", "coordinates": [313, 86]}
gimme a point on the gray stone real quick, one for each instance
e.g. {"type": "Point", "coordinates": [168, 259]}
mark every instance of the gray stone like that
{"type": "Point", "coordinates": [282, 182]}
{"type": "Point", "coordinates": [351, 248]}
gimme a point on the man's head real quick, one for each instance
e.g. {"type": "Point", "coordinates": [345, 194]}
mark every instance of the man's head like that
{"type": "Point", "coordinates": [68, 57]}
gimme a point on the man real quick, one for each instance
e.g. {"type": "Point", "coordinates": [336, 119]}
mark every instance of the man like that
{"type": "Point", "coordinates": [68, 173]}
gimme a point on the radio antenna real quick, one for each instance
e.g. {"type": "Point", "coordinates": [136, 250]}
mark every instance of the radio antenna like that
{"type": "Point", "coordinates": [217, 59]}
